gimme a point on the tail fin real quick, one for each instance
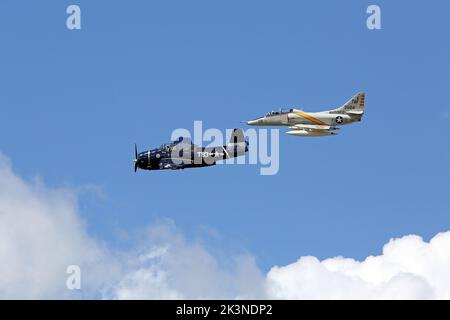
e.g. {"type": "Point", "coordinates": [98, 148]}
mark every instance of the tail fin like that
{"type": "Point", "coordinates": [237, 146]}
{"type": "Point", "coordinates": [355, 105]}
{"type": "Point", "coordinates": [237, 136]}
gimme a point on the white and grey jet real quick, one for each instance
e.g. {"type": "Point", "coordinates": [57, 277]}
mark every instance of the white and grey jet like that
{"type": "Point", "coordinates": [314, 124]}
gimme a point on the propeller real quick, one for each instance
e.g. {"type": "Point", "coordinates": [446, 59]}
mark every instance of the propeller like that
{"type": "Point", "coordinates": [135, 158]}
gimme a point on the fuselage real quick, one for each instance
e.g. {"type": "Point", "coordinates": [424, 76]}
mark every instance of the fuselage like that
{"type": "Point", "coordinates": [182, 156]}
{"type": "Point", "coordinates": [315, 124]}
{"type": "Point", "coordinates": [295, 117]}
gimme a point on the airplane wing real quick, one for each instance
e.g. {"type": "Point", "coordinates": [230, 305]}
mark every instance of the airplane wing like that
{"type": "Point", "coordinates": [169, 164]}
{"type": "Point", "coordinates": [312, 130]}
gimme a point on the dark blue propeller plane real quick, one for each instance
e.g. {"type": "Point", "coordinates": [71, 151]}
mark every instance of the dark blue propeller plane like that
{"type": "Point", "coordinates": [182, 154]}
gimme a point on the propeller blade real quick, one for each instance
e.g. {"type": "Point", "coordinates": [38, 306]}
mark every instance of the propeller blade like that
{"type": "Point", "coordinates": [135, 158]}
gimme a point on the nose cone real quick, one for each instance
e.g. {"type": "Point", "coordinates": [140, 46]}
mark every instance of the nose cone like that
{"type": "Point", "coordinates": [255, 122]}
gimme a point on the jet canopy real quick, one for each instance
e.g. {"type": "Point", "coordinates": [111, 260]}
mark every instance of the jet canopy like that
{"type": "Point", "coordinates": [282, 111]}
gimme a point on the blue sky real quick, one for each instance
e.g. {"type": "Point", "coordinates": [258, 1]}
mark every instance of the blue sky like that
{"type": "Point", "coordinates": [75, 102]}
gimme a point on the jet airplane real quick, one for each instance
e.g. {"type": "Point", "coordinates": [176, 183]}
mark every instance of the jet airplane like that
{"type": "Point", "coordinates": [182, 154]}
{"type": "Point", "coordinates": [314, 124]}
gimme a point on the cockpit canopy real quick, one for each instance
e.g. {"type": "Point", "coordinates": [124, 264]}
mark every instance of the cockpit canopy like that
{"type": "Point", "coordinates": [164, 147]}
{"type": "Point", "coordinates": [169, 146]}
{"type": "Point", "coordinates": [282, 111]}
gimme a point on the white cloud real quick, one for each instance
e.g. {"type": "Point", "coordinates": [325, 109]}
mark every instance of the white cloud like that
{"type": "Point", "coordinates": [409, 268]}
{"type": "Point", "coordinates": [41, 234]}
{"type": "Point", "coordinates": [170, 266]}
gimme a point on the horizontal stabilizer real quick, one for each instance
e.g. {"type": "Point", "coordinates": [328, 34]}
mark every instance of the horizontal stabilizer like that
{"type": "Point", "coordinates": [356, 112]}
